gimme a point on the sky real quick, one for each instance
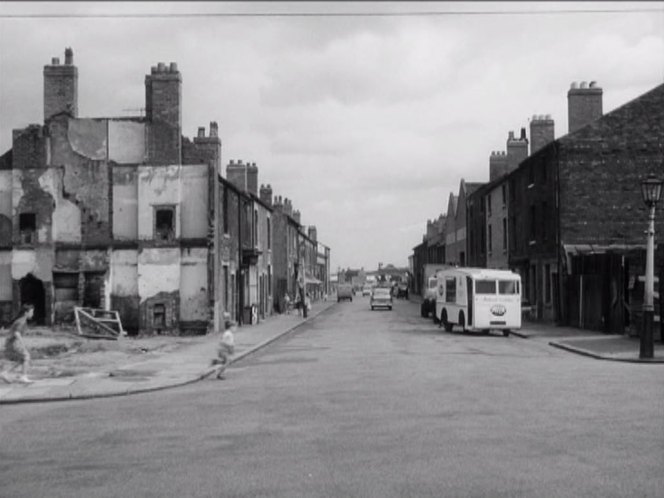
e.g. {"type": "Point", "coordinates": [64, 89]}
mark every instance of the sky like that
{"type": "Point", "coordinates": [366, 115]}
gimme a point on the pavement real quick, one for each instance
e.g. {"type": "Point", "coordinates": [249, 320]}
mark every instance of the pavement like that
{"type": "Point", "coordinates": [586, 342]}
{"type": "Point", "coordinates": [177, 367]}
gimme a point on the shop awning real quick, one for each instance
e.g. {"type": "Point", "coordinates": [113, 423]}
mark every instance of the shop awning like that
{"type": "Point", "coordinates": [308, 279]}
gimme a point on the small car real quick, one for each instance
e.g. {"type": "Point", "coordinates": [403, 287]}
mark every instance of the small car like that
{"type": "Point", "coordinates": [366, 290]}
{"type": "Point", "coordinates": [381, 297]}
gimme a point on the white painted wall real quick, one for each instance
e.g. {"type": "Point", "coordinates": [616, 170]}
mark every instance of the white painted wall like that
{"type": "Point", "coordinates": [194, 201]}
{"type": "Point", "coordinates": [193, 285]}
{"type": "Point", "coordinates": [124, 273]}
{"type": "Point", "coordinates": [158, 271]}
{"type": "Point", "coordinates": [38, 261]}
{"type": "Point", "coordinates": [157, 185]}
{"type": "Point", "coordinates": [6, 188]}
{"type": "Point", "coordinates": [126, 142]}
{"type": "Point", "coordinates": [5, 275]}
{"type": "Point", "coordinates": [125, 207]}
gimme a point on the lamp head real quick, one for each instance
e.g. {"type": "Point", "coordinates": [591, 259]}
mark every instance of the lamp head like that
{"type": "Point", "coordinates": [651, 190]}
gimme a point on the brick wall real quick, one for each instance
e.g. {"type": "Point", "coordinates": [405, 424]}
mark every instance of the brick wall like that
{"type": "Point", "coordinates": [601, 168]}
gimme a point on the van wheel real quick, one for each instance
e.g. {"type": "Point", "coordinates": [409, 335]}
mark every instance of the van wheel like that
{"type": "Point", "coordinates": [443, 319]}
{"type": "Point", "coordinates": [462, 321]}
{"type": "Point", "coordinates": [506, 332]}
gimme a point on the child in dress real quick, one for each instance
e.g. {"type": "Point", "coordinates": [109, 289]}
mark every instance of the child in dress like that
{"type": "Point", "coordinates": [226, 346]}
{"type": "Point", "coordinates": [15, 349]}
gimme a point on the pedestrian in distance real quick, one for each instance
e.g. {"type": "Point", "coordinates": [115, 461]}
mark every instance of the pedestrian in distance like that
{"type": "Point", "coordinates": [15, 349]}
{"type": "Point", "coordinates": [287, 303]}
{"type": "Point", "coordinates": [307, 304]}
{"type": "Point", "coordinates": [226, 346]}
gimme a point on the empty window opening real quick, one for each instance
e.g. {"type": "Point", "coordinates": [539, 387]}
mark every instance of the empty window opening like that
{"type": "Point", "coordinates": [27, 225]}
{"type": "Point", "coordinates": [165, 223]}
{"type": "Point", "coordinates": [159, 315]}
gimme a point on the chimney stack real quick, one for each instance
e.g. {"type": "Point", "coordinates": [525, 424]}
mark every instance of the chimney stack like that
{"type": "Point", "coordinates": [236, 173]}
{"type": "Point", "coordinates": [312, 233]}
{"type": "Point", "coordinates": [584, 104]}
{"type": "Point", "coordinates": [252, 178]}
{"type": "Point", "coordinates": [266, 194]}
{"type": "Point", "coordinates": [61, 86]}
{"type": "Point", "coordinates": [541, 132]}
{"type": "Point", "coordinates": [296, 216]}
{"type": "Point", "coordinates": [517, 150]}
{"type": "Point", "coordinates": [497, 165]}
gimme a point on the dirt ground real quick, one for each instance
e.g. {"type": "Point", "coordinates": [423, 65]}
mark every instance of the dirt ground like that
{"type": "Point", "coordinates": [61, 352]}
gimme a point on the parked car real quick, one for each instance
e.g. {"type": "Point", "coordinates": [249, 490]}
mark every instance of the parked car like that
{"type": "Point", "coordinates": [381, 297]}
{"type": "Point", "coordinates": [366, 290]}
{"type": "Point", "coordinates": [345, 291]}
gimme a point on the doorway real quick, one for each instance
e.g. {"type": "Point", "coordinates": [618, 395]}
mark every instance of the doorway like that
{"type": "Point", "coordinates": [32, 292]}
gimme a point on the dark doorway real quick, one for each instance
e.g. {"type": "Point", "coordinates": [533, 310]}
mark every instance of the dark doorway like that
{"type": "Point", "coordinates": [32, 292]}
{"type": "Point", "coordinates": [94, 289]}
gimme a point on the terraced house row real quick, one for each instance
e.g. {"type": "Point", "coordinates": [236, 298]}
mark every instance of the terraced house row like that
{"type": "Point", "coordinates": [127, 214]}
{"type": "Point", "coordinates": [567, 214]}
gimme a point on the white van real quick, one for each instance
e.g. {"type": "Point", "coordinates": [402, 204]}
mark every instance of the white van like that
{"type": "Point", "coordinates": [479, 299]}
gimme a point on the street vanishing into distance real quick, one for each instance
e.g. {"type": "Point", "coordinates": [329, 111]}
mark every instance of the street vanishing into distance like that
{"type": "Point", "coordinates": [358, 403]}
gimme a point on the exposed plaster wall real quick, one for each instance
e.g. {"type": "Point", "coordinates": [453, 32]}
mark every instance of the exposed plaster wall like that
{"type": "Point", "coordinates": [158, 271]}
{"type": "Point", "coordinates": [88, 138]}
{"type": "Point", "coordinates": [157, 185]}
{"type": "Point", "coordinates": [5, 275]}
{"type": "Point", "coordinates": [193, 285]}
{"type": "Point", "coordinates": [126, 142]}
{"type": "Point", "coordinates": [79, 148]}
{"type": "Point", "coordinates": [124, 273]}
{"type": "Point", "coordinates": [66, 218]}
{"type": "Point", "coordinates": [39, 262]}
{"type": "Point", "coordinates": [28, 196]}
{"type": "Point", "coordinates": [194, 201]}
{"type": "Point", "coordinates": [123, 287]}
{"type": "Point", "coordinates": [5, 208]}
{"type": "Point", "coordinates": [125, 203]}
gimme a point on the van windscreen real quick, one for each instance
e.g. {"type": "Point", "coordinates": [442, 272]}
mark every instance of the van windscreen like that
{"type": "Point", "coordinates": [485, 287]}
{"type": "Point", "coordinates": [507, 287]}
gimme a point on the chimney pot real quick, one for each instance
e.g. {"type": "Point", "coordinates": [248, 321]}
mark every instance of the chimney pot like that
{"type": "Point", "coordinates": [584, 84]}
{"type": "Point", "coordinates": [201, 131]}
{"type": "Point", "coordinates": [69, 56]}
{"type": "Point", "coordinates": [174, 67]}
{"type": "Point", "coordinates": [214, 129]}
{"type": "Point", "coordinates": [55, 61]}
{"type": "Point", "coordinates": [161, 67]}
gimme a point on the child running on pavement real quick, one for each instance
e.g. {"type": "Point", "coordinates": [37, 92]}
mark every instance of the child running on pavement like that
{"type": "Point", "coordinates": [226, 346]}
{"type": "Point", "coordinates": [15, 349]}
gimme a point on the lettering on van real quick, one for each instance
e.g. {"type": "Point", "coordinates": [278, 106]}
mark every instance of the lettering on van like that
{"type": "Point", "coordinates": [498, 310]}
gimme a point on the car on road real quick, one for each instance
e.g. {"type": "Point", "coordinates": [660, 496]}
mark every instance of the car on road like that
{"type": "Point", "coordinates": [366, 290]}
{"type": "Point", "coordinates": [381, 297]}
{"type": "Point", "coordinates": [345, 291]}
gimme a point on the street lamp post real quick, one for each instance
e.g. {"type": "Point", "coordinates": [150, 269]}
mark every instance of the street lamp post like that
{"type": "Point", "coordinates": [651, 190]}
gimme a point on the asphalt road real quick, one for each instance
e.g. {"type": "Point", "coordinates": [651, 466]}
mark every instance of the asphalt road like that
{"type": "Point", "coordinates": [358, 403]}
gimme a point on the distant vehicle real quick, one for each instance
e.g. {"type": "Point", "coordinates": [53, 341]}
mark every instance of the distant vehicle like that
{"type": "Point", "coordinates": [345, 291]}
{"type": "Point", "coordinates": [429, 293]}
{"type": "Point", "coordinates": [402, 291]}
{"type": "Point", "coordinates": [479, 299]}
{"type": "Point", "coordinates": [366, 290]}
{"type": "Point", "coordinates": [381, 297]}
